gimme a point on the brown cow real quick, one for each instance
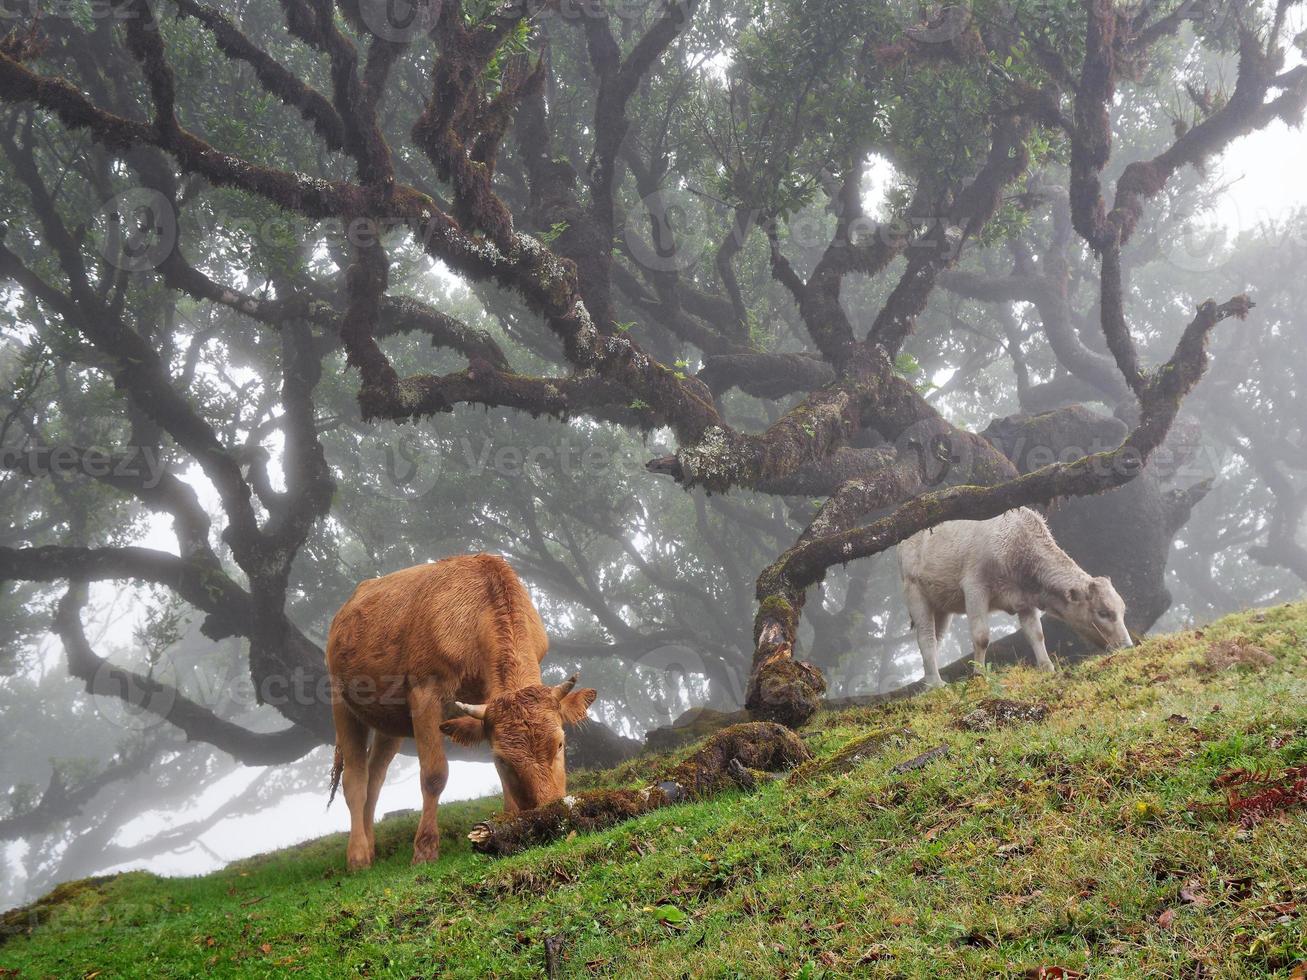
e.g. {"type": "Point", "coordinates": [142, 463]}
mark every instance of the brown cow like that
{"type": "Point", "coordinates": [406, 645]}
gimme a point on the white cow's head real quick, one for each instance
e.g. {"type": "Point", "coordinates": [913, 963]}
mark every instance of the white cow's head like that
{"type": "Point", "coordinates": [1097, 612]}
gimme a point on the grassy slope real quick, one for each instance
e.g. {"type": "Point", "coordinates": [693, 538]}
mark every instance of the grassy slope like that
{"type": "Point", "coordinates": [1056, 843]}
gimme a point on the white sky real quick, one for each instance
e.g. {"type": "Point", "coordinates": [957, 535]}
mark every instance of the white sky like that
{"type": "Point", "coordinates": [1269, 174]}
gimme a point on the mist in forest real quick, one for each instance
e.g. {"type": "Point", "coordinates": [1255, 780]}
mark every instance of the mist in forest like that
{"type": "Point", "coordinates": [678, 307]}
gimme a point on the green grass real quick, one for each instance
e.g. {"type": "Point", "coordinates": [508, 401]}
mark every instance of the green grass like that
{"type": "Point", "coordinates": [1066, 842]}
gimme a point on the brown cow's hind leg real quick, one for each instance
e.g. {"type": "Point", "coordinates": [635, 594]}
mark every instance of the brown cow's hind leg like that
{"type": "Point", "coordinates": [352, 740]}
{"type": "Point", "coordinates": [425, 706]}
{"type": "Point", "coordinates": [380, 755]}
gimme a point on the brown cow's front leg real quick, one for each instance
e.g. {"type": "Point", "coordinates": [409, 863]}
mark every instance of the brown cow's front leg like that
{"type": "Point", "coordinates": [424, 704]}
{"type": "Point", "coordinates": [352, 741]}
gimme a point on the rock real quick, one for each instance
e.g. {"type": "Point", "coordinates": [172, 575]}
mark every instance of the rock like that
{"type": "Point", "coordinates": [1001, 712]}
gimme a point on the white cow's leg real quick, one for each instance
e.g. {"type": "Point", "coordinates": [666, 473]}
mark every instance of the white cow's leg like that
{"type": "Point", "coordinates": [942, 619]}
{"type": "Point", "coordinates": [1034, 630]}
{"type": "Point", "coordinates": [977, 601]}
{"type": "Point", "coordinates": [923, 621]}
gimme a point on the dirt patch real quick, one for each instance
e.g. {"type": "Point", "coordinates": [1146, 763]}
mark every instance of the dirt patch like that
{"type": "Point", "coordinates": [1232, 654]}
{"type": "Point", "coordinates": [1000, 712]}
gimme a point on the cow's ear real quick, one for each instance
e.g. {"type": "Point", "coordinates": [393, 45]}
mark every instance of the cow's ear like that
{"type": "Point", "coordinates": [576, 704]}
{"type": "Point", "coordinates": [465, 731]}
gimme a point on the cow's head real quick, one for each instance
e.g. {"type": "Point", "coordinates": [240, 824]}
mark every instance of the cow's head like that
{"type": "Point", "coordinates": [525, 729]}
{"type": "Point", "coordinates": [1096, 611]}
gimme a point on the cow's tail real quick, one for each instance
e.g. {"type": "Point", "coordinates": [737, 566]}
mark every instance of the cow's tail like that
{"type": "Point", "coordinates": [337, 767]}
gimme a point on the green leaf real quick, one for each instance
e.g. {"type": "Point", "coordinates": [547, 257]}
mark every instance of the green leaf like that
{"type": "Point", "coordinates": [906, 365]}
{"type": "Point", "coordinates": [671, 916]}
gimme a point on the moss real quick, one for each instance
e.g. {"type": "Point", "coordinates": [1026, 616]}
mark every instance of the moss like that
{"type": "Point", "coordinates": [787, 692]}
{"type": "Point", "coordinates": [853, 754]}
{"type": "Point", "coordinates": [736, 756]}
{"type": "Point", "coordinates": [779, 609]}
{"type": "Point", "coordinates": [28, 917]}
{"type": "Point", "coordinates": [763, 746]}
{"type": "Point", "coordinates": [695, 724]}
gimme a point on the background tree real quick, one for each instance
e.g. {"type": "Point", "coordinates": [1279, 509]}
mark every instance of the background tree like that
{"type": "Point", "coordinates": [299, 296]}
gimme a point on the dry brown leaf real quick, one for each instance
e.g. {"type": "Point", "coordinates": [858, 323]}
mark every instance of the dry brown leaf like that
{"type": "Point", "coordinates": [1192, 892]}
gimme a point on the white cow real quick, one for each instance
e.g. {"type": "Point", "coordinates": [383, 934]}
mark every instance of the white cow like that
{"type": "Point", "coordinates": [1012, 563]}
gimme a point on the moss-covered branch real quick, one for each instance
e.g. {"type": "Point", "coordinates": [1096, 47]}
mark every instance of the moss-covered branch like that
{"type": "Point", "coordinates": [736, 757]}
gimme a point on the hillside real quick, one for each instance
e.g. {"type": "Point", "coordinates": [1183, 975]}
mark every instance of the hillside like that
{"type": "Point", "coordinates": [1097, 840]}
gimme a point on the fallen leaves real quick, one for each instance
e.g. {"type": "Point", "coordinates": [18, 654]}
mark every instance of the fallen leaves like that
{"type": "Point", "coordinates": [1278, 793]}
{"type": "Point", "coordinates": [1167, 919]}
{"type": "Point", "coordinates": [1233, 653]}
{"type": "Point", "coordinates": [873, 954]}
{"type": "Point", "coordinates": [1192, 893]}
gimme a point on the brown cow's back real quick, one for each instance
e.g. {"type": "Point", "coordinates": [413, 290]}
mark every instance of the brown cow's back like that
{"type": "Point", "coordinates": [466, 622]}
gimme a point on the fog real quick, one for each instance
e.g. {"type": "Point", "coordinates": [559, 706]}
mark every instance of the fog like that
{"type": "Point", "coordinates": [223, 409]}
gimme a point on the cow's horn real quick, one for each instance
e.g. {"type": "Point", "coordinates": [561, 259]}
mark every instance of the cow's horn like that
{"type": "Point", "coordinates": [473, 710]}
{"type": "Point", "coordinates": [562, 690]}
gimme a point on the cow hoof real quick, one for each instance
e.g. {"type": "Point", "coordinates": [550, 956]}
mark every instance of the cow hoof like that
{"type": "Point", "coordinates": [358, 860]}
{"type": "Point", "coordinates": [933, 682]}
{"type": "Point", "coordinates": [1048, 668]}
{"type": "Point", "coordinates": [426, 850]}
